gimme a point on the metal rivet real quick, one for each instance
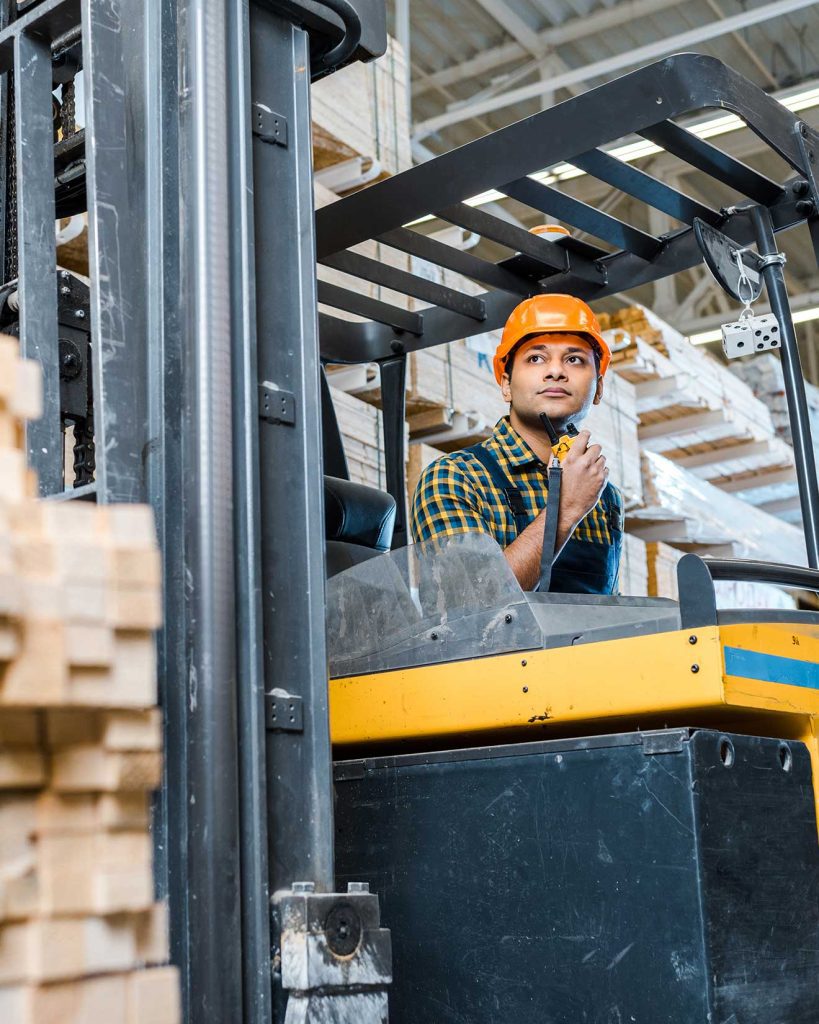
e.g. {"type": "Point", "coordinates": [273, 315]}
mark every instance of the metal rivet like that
{"type": "Point", "coordinates": [525, 689]}
{"type": "Point", "coordinates": [692, 639]}
{"type": "Point", "coordinates": [433, 636]}
{"type": "Point", "coordinates": [79, 314]}
{"type": "Point", "coordinates": [695, 669]}
{"type": "Point", "coordinates": [508, 618]}
{"type": "Point", "coordinates": [524, 663]}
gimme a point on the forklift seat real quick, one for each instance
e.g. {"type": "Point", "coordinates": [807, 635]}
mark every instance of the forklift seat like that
{"type": "Point", "coordinates": [358, 523]}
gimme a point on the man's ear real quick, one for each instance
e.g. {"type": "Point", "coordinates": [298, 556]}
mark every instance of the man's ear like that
{"type": "Point", "coordinates": [598, 394]}
{"type": "Point", "coordinates": [506, 387]}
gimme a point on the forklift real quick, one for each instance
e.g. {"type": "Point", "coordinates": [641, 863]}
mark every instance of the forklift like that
{"type": "Point", "coordinates": [558, 810]}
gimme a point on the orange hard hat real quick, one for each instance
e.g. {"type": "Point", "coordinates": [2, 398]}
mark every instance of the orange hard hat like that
{"type": "Point", "coordinates": [549, 314]}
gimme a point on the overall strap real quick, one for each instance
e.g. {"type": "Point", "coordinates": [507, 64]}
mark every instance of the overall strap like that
{"type": "Point", "coordinates": [514, 499]}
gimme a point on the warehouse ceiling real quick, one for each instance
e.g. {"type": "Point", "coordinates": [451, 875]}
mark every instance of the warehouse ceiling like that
{"type": "Point", "coordinates": [478, 65]}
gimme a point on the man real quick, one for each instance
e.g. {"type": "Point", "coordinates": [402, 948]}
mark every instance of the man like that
{"type": "Point", "coordinates": [552, 359]}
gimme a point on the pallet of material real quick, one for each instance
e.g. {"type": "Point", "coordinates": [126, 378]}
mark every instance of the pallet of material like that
{"type": "Point", "coordinates": [693, 515]}
{"type": "Point", "coordinates": [633, 567]}
{"type": "Point", "coordinates": [763, 374]}
{"type": "Point", "coordinates": [362, 111]}
{"type": "Point", "coordinates": [82, 938]}
{"type": "Point", "coordinates": [363, 438]}
{"type": "Point", "coordinates": [689, 406]}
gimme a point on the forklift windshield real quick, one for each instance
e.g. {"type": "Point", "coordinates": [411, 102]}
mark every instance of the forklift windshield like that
{"type": "Point", "coordinates": [457, 598]}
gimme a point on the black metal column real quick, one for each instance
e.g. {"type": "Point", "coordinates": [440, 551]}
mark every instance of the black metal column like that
{"type": "Point", "coordinates": [37, 289]}
{"type": "Point", "coordinates": [118, 259]}
{"type": "Point", "coordinates": [394, 403]}
{"type": "Point", "coordinates": [794, 384]}
{"type": "Point", "coordinates": [298, 762]}
{"type": "Point", "coordinates": [256, 939]}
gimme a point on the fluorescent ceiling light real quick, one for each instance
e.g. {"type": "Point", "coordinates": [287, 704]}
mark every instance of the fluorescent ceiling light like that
{"type": "Point", "coordinates": [705, 129]}
{"type": "Point", "coordinates": [801, 316]}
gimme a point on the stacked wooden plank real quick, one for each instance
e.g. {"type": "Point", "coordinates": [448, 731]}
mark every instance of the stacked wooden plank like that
{"type": "Point", "coordinates": [690, 408]}
{"type": "Point", "coordinates": [633, 567]}
{"type": "Point", "coordinates": [363, 437]}
{"type": "Point", "coordinates": [81, 937]}
{"type": "Point", "coordinates": [692, 515]}
{"type": "Point", "coordinates": [362, 112]}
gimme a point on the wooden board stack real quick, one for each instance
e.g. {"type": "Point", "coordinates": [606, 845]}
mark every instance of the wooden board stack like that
{"type": "Point", "coordinates": [690, 408]}
{"type": "Point", "coordinates": [81, 938]}
{"type": "Point", "coordinates": [361, 112]}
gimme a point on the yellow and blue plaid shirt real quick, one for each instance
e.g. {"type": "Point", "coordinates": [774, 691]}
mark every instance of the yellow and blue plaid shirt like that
{"type": "Point", "coordinates": [455, 494]}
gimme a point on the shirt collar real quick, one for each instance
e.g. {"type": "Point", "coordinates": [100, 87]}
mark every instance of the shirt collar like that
{"type": "Point", "coordinates": [516, 451]}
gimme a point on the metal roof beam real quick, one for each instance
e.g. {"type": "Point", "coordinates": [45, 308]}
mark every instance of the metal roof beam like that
{"type": "Point", "coordinates": [577, 28]}
{"type": "Point", "coordinates": [512, 23]}
{"type": "Point", "coordinates": [631, 58]}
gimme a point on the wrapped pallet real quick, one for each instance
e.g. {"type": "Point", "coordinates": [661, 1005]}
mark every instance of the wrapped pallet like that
{"type": "Point", "coordinates": [363, 438]}
{"type": "Point", "coordinates": [361, 111]}
{"type": "Point", "coordinates": [633, 567]}
{"type": "Point", "coordinates": [661, 563]}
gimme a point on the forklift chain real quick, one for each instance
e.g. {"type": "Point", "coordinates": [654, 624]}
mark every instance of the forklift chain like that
{"type": "Point", "coordinates": [84, 451]}
{"type": "Point", "coordinates": [10, 261]}
{"type": "Point", "coordinates": [68, 110]}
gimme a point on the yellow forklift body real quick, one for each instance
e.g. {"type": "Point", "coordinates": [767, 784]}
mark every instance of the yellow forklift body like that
{"type": "Point", "coordinates": [757, 678]}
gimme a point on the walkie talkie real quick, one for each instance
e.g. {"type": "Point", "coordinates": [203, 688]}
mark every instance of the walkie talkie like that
{"type": "Point", "coordinates": [561, 443]}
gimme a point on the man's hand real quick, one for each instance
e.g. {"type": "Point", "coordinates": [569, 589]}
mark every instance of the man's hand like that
{"type": "Point", "coordinates": [584, 476]}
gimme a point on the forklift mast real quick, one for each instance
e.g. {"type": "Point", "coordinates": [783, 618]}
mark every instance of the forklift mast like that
{"type": "Point", "coordinates": [187, 364]}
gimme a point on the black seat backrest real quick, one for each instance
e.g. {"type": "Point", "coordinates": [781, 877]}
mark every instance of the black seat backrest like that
{"type": "Point", "coordinates": [358, 523]}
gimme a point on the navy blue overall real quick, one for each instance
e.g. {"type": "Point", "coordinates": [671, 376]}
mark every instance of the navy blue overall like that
{"type": "Point", "coordinates": [582, 567]}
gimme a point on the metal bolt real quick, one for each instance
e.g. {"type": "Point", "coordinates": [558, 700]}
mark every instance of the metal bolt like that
{"type": "Point", "coordinates": [79, 314]}
{"type": "Point", "coordinates": [65, 290]}
{"type": "Point", "coordinates": [800, 187]}
{"type": "Point", "coordinates": [64, 275]}
{"type": "Point", "coordinates": [524, 663]}
{"type": "Point", "coordinates": [508, 618]}
{"type": "Point", "coordinates": [525, 689]}
{"type": "Point", "coordinates": [692, 639]}
{"type": "Point", "coordinates": [433, 636]}
{"type": "Point", "coordinates": [695, 669]}
{"type": "Point", "coordinates": [803, 129]}
{"type": "Point", "coordinates": [358, 887]}
{"type": "Point", "coordinates": [303, 887]}
{"type": "Point", "coordinates": [804, 207]}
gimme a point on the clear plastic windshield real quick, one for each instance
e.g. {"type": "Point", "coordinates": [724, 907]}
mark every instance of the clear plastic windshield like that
{"type": "Point", "coordinates": [456, 597]}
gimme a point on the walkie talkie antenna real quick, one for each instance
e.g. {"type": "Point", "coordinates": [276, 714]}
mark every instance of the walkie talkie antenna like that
{"type": "Point", "coordinates": [548, 426]}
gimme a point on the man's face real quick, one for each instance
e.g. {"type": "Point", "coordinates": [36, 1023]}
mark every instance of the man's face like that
{"type": "Point", "coordinates": [555, 374]}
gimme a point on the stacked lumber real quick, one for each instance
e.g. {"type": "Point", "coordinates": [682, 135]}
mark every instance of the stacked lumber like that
{"type": "Point", "coordinates": [690, 408]}
{"type": "Point", "coordinates": [661, 563]}
{"type": "Point", "coordinates": [763, 374]}
{"type": "Point", "coordinates": [691, 514]}
{"type": "Point", "coordinates": [362, 112]}
{"type": "Point", "coordinates": [613, 425]}
{"type": "Point", "coordinates": [633, 567]}
{"type": "Point", "coordinates": [363, 438]}
{"type": "Point", "coordinates": [81, 938]}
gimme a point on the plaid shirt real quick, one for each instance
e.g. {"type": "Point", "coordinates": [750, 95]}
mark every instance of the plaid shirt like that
{"type": "Point", "coordinates": [455, 494]}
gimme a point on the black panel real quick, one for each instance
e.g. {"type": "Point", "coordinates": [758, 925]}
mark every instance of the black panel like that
{"type": "Point", "coordinates": [579, 881]}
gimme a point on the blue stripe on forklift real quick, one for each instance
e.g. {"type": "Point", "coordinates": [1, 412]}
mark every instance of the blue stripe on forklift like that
{"type": "Point", "coordinates": [770, 668]}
